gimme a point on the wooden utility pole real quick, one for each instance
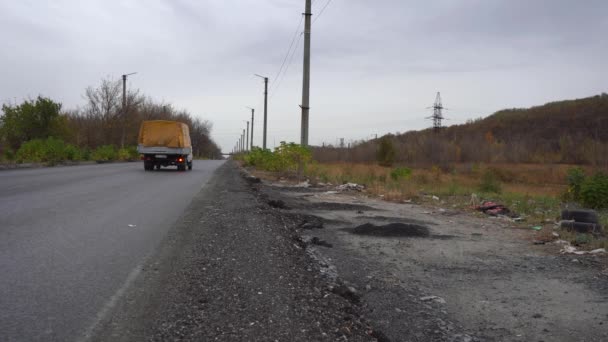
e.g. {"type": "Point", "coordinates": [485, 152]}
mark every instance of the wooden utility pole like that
{"type": "Point", "coordinates": [306, 79]}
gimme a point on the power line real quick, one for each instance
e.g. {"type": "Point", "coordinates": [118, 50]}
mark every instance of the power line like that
{"type": "Point", "coordinates": [289, 50]}
{"type": "Point", "coordinates": [286, 68]}
{"type": "Point", "coordinates": [322, 10]}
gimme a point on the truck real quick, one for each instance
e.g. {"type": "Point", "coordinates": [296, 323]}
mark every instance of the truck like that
{"type": "Point", "coordinates": [164, 143]}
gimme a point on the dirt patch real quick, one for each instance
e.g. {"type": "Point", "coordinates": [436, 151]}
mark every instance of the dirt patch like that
{"type": "Point", "coordinates": [392, 230]}
{"type": "Point", "coordinates": [412, 283]}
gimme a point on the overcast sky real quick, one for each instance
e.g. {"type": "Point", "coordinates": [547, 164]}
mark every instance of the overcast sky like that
{"type": "Point", "coordinates": [376, 65]}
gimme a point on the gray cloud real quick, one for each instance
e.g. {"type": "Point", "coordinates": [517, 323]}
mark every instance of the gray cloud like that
{"type": "Point", "coordinates": [376, 64]}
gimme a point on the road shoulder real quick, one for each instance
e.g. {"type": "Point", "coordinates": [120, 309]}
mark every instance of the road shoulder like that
{"type": "Point", "coordinates": [231, 269]}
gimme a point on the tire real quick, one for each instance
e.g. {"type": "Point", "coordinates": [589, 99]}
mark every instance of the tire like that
{"type": "Point", "coordinates": [581, 227]}
{"type": "Point", "coordinates": [157, 166]}
{"type": "Point", "coordinates": [148, 166]}
{"type": "Point", "coordinates": [181, 167]}
{"type": "Point", "coordinates": [190, 166]}
{"type": "Point", "coordinates": [580, 215]}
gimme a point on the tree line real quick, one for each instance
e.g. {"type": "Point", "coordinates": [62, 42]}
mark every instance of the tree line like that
{"type": "Point", "coordinates": [100, 122]}
{"type": "Point", "coordinates": [569, 132]}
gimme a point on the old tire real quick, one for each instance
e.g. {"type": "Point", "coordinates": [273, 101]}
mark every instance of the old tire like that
{"type": "Point", "coordinates": [581, 227]}
{"type": "Point", "coordinates": [581, 215]}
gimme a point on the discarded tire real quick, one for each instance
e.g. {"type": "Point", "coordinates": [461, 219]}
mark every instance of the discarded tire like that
{"type": "Point", "coordinates": [581, 227]}
{"type": "Point", "coordinates": [581, 215]}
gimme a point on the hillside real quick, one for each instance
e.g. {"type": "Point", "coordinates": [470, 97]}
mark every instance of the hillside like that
{"type": "Point", "coordinates": [571, 131]}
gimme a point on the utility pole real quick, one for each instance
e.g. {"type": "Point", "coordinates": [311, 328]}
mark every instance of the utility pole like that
{"type": "Point", "coordinates": [247, 146]}
{"type": "Point", "coordinates": [265, 109]}
{"type": "Point", "coordinates": [252, 115]}
{"type": "Point", "coordinates": [124, 108]}
{"type": "Point", "coordinates": [243, 138]}
{"type": "Point", "coordinates": [306, 79]}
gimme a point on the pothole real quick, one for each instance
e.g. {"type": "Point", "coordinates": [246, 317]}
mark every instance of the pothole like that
{"type": "Point", "coordinates": [392, 230]}
{"type": "Point", "coordinates": [337, 206]}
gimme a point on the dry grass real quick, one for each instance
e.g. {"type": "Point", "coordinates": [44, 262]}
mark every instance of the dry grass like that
{"type": "Point", "coordinates": [526, 179]}
{"type": "Point", "coordinates": [530, 190]}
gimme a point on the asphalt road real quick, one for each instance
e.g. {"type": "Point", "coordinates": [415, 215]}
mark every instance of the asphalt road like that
{"type": "Point", "coordinates": [72, 239]}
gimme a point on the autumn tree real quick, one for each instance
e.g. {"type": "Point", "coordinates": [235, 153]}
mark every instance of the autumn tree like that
{"type": "Point", "coordinates": [33, 119]}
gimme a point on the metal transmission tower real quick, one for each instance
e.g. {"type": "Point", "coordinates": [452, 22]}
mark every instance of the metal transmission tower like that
{"type": "Point", "coordinates": [437, 113]}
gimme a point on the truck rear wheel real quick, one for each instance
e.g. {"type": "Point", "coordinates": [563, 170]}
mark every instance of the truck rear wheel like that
{"type": "Point", "coordinates": [148, 166]}
{"type": "Point", "coordinates": [190, 166]}
{"type": "Point", "coordinates": [181, 167]}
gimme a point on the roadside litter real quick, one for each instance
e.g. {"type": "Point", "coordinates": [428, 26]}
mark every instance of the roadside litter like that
{"type": "Point", "coordinates": [581, 220]}
{"type": "Point", "coordinates": [569, 249]}
{"type": "Point", "coordinates": [581, 227]}
{"type": "Point", "coordinates": [350, 187]}
{"type": "Point", "coordinates": [495, 209]}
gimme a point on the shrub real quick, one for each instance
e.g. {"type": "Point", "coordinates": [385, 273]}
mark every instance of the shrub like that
{"type": "Point", "coordinates": [50, 150]}
{"type": "Point", "coordinates": [401, 173]}
{"type": "Point", "coordinates": [133, 154]}
{"type": "Point", "coordinates": [291, 157]}
{"type": "Point", "coordinates": [86, 153]}
{"type": "Point", "coordinates": [31, 151]}
{"type": "Point", "coordinates": [127, 154]}
{"type": "Point", "coordinates": [54, 151]}
{"type": "Point", "coordinates": [285, 158]}
{"type": "Point", "coordinates": [9, 154]}
{"type": "Point", "coordinates": [260, 158]}
{"type": "Point", "coordinates": [574, 178]}
{"type": "Point", "coordinates": [489, 183]}
{"type": "Point", "coordinates": [72, 153]}
{"type": "Point", "coordinates": [594, 191]}
{"type": "Point", "coordinates": [386, 152]}
{"type": "Point", "coordinates": [104, 153]}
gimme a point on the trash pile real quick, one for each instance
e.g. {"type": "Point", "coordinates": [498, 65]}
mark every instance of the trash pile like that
{"type": "Point", "coordinates": [495, 209]}
{"type": "Point", "coordinates": [350, 187]}
{"type": "Point", "coordinates": [581, 220]}
{"type": "Point", "coordinates": [569, 249]}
